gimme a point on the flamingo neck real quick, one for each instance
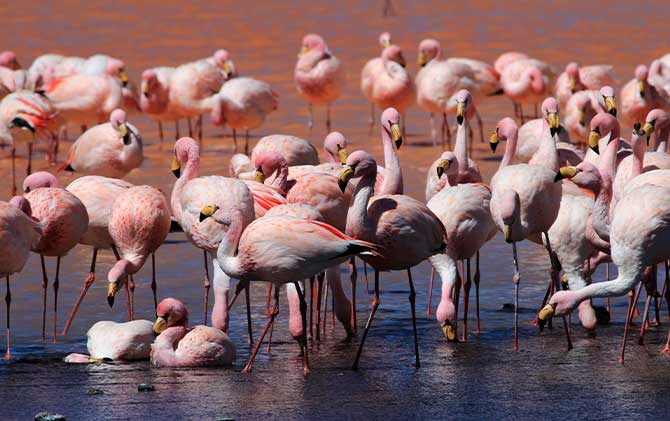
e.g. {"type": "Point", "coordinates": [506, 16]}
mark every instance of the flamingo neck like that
{"type": "Point", "coordinates": [629, 276]}
{"type": "Point", "coordinates": [281, 180]}
{"type": "Point", "coordinates": [445, 266]}
{"type": "Point", "coordinates": [639, 146]}
{"type": "Point", "coordinates": [163, 348]}
{"type": "Point", "coordinates": [357, 218]}
{"type": "Point", "coordinates": [608, 160]}
{"type": "Point", "coordinates": [309, 60]}
{"type": "Point", "coordinates": [221, 287]}
{"type": "Point", "coordinates": [189, 173]}
{"type": "Point", "coordinates": [461, 149]}
{"type": "Point", "coordinates": [510, 149]}
{"type": "Point", "coordinates": [225, 255]}
{"type": "Point", "coordinates": [547, 154]}
{"type": "Point", "coordinates": [600, 218]}
{"type": "Point", "coordinates": [536, 80]}
{"type": "Point", "coordinates": [123, 268]}
{"type": "Point", "coordinates": [662, 139]}
{"type": "Point", "coordinates": [392, 183]}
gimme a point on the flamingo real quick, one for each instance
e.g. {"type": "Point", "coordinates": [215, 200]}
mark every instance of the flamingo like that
{"type": "Point", "coordinates": [155, 98]}
{"type": "Point", "coordinates": [280, 250]}
{"type": "Point", "coordinates": [577, 78]}
{"type": "Point", "coordinates": [107, 340]}
{"type": "Point", "coordinates": [638, 97]}
{"type": "Point", "coordinates": [525, 200]}
{"type": "Point", "coordinates": [179, 346]}
{"type": "Point", "coordinates": [295, 150]}
{"type": "Point", "coordinates": [110, 150]}
{"type": "Point", "coordinates": [579, 110]}
{"type": "Point", "coordinates": [526, 81]}
{"type": "Point", "coordinates": [98, 195]}
{"type": "Point", "coordinates": [221, 59]}
{"type": "Point", "coordinates": [506, 58]}
{"type": "Point", "coordinates": [138, 224]}
{"type": "Point", "coordinates": [10, 60]}
{"type": "Point", "coordinates": [64, 221]}
{"type": "Point", "coordinates": [24, 111]}
{"type": "Point", "coordinates": [189, 195]}
{"type": "Point", "coordinates": [243, 104]}
{"type": "Point", "coordinates": [659, 75]}
{"type": "Point", "coordinates": [319, 75]}
{"type": "Point", "coordinates": [19, 233]}
{"type": "Point", "coordinates": [49, 67]}
{"type": "Point", "coordinates": [370, 71]}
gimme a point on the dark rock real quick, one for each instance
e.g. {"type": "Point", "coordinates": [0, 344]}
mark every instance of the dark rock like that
{"type": "Point", "coordinates": [94, 391]}
{"type": "Point", "coordinates": [45, 416]}
{"type": "Point", "coordinates": [145, 387]}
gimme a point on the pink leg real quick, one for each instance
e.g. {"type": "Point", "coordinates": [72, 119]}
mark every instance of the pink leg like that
{"type": "Point", "coordinates": [466, 299]}
{"type": "Point", "coordinates": [516, 279]}
{"type": "Point", "coordinates": [267, 301]}
{"type": "Point", "coordinates": [207, 283]}
{"type": "Point", "coordinates": [555, 269]}
{"type": "Point", "coordinates": [55, 286]}
{"type": "Point", "coordinates": [268, 325]}
{"type": "Point", "coordinates": [311, 307]}
{"type": "Point", "coordinates": [8, 302]}
{"type": "Point", "coordinates": [45, 281]}
{"type": "Point", "coordinates": [476, 280]}
{"type": "Point", "coordinates": [457, 293]}
{"type": "Point", "coordinates": [375, 305]}
{"type": "Point", "coordinates": [319, 296]}
{"type": "Point", "coordinates": [354, 277]}
{"type": "Point", "coordinates": [250, 333]}
{"type": "Point", "coordinates": [430, 291]}
{"type": "Point", "coordinates": [130, 307]}
{"type": "Point", "coordinates": [365, 278]}
{"type": "Point", "coordinates": [325, 309]}
{"type": "Point", "coordinates": [13, 170]}
{"type": "Point", "coordinates": [650, 289]}
{"type": "Point", "coordinates": [131, 285]}
{"type": "Point", "coordinates": [87, 284]}
{"type": "Point", "coordinates": [629, 317]}
{"type": "Point", "coordinates": [303, 314]}
{"type": "Point", "coordinates": [160, 133]}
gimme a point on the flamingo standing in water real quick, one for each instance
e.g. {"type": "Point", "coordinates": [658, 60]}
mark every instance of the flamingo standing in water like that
{"type": "Point", "coordinates": [526, 81]}
{"type": "Point", "coordinates": [243, 104]}
{"type": "Point", "coordinates": [370, 71]}
{"type": "Point", "coordinates": [110, 150]}
{"type": "Point", "coordinates": [138, 224]}
{"type": "Point", "coordinates": [280, 250]}
{"type": "Point", "coordinates": [319, 75]}
{"type": "Point", "coordinates": [64, 220]}
{"type": "Point", "coordinates": [19, 233]}
{"type": "Point", "coordinates": [179, 346]}
{"type": "Point", "coordinates": [577, 78]}
{"type": "Point", "coordinates": [155, 98]}
{"type": "Point", "coordinates": [638, 97]}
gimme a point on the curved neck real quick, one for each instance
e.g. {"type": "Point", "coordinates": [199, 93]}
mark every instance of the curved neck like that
{"type": "Point", "coordinates": [629, 276]}
{"type": "Point", "coordinates": [357, 218]}
{"type": "Point", "coordinates": [225, 255]}
{"type": "Point", "coordinates": [639, 146]}
{"type": "Point", "coordinates": [510, 149]}
{"type": "Point", "coordinates": [607, 162]}
{"type": "Point", "coordinates": [281, 180]}
{"type": "Point", "coordinates": [662, 139]}
{"type": "Point", "coordinates": [547, 154]}
{"type": "Point", "coordinates": [221, 287]}
{"type": "Point", "coordinates": [163, 348]}
{"type": "Point", "coordinates": [123, 268]}
{"type": "Point", "coordinates": [392, 183]}
{"type": "Point", "coordinates": [600, 218]}
{"type": "Point", "coordinates": [190, 171]}
{"type": "Point", "coordinates": [461, 148]}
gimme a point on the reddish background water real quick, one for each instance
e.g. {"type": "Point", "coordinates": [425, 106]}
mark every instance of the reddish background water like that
{"type": "Point", "coordinates": [480, 379]}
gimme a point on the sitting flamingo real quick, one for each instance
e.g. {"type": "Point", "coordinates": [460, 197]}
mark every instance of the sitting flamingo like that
{"type": "Point", "coordinates": [128, 341]}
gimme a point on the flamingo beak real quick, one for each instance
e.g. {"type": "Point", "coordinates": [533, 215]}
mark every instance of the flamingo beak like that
{"type": "Point", "coordinates": [610, 104]}
{"type": "Point", "coordinates": [208, 211]}
{"type": "Point", "coordinates": [159, 325]}
{"type": "Point", "coordinates": [594, 137]}
{"type": "Point", "coordinates": [259, 177]}
{"type": "Point", "coordinates": [303, 50]}
{"type": "Point", "coordinates": [176, 167]}
{"type": "Point", "coordinates": [572, 84]}
{"type": "Point", "coordinates": [343, 178]}
{"type": "Point", "coordinates": [554, 123]}
{"type": "Point", "coordinates": [449, 332]}
{"type": "Point", "coordinates": [649, 129]}
{"type": "Point", "coordinates": [460, 113]}
{"type": "Point", "coordinates": [124, 77]}
{"type": "Point", "coordinates": [507, 233]}
{"type": "Point", "coordinates": [641, 87]}
{"type": "Point", "coordinates": [566, 172]}
{"type": "Point", "coordinates": [396, 134]}
{"type": "Point", "coordinates": [545, 314]}
{"type": "Point", "coordinates": [442, 167]}
{"type": "Point", "coordinates": [422, 59]}
{"type": "Point", "coordinates": [343, 154]}
{"type": "Point", "coordinates": [228, 69]}
{"type": "Point", "coordinates": [493, 141]}
{"type": "Point", "coordinates": [112, 289]}
{"type": "Point", "coordinates": [145, 88]}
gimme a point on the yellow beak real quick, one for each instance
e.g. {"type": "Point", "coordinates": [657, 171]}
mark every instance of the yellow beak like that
{"type": "Point", "coordinates": [208, 211]}
{"type": "Point", "coordinates": [546, 313]}
{"type": "Point", "coordinates": [343, 178]}
{"type": "Point", "coordinates": [566, 172]}
{"type": "Point", "coordinates": [507, 233]}
{"type": "Point", "coordinates": [159, 325]}
{"type": "Point", "coordinates": [176, 167]}
{"type": "Point", "coordinates": [386, 42]}
{"type": "Point", "coordinates": [554, 121]}
{"type": "Point", "coordinates": [449, 332]}
{"type": "Point", "coordinates": [572, 84]}
{"type": "Point", "coordinates": [594, 137]}
{"type": "Point", "coordinates": [641, 86]}
{"type": "Point", "coordinates": [123, 129]}
{"type": "Point", "coordinates": [442, 167]}
{"type": "Point", "coordinates": [396, 134]}
{"type": "Point", "coordinates": [610, 104]}
{"type": "Point", "coordinates": [648, 129]}
{"type": "Point", "coordinates": [421, 60]}
{"type": "Point", "coordinates": [343, 154]}
{"type": "Point", "coordinates": [493, 141]}
{"type": "Point", "coordinates": [460, 112]}
{"type": "Point", "coordinates": [123, 76]}
{"type": "Point", "coordinates": [227, 68]}
{"type": "Point", "coordinates": [112, 289]}
{"type": "Point", "coordinates": [259, 177]}
{"type": "Point", "coordinates": [303, 50]}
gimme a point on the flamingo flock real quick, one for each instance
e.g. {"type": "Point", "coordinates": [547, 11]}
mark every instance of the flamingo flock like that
{"type": "Point", "coordinates": [572, 179]}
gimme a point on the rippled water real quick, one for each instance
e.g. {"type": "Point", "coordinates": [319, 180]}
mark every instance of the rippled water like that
{"type": "Point", "coordinates": [480, 379]}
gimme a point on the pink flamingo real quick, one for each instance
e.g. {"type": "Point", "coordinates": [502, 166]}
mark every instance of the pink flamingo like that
{"type": "Point", "coordinates": [319, 75]}
{"type": "Point", "coordinates": [138, 224]}
{"type": "Point", "coordinates": [64, 220]}
{"type": "Point", "coordinates": [20, 233]}
{"type": "Point", "coordinates": [302, 249]}
{"type": "Point", "coordinates": [50, 67]}
{"type": "Point", "coordinates": [371, 69]}
{"type": "Point", "coordinates": [10, 60]}
{"type": "Point", "coordinates": [295, 150]}
{"type": "Point", "coordinates": [179, 346]}
{"type": "Point", "coordinates": [525, 200]}
{"type": "Point", "coordinates": [579, 110]}
{"type": "Point", "coordinates": [107, 340]}
{"type": "Point", "coordinates": [222, 59]}
{"type": "Point", "coordinates": [506, 58]}
{"type": "Point", "coordinates": [26, 112]}
{"type": "Point", "coordinates": [638, 97]}
{"type": "Point", "coordinates": [577, 78]}
{"type": "Point", "coordinates": [155, 98]}
{"type": "Point", "coordinates": [98, 195]}
{"type": "Point", "coordinates": [189, 195]}
{"type": "Point", "coordinates": [243, 104]}
{"type": "Point", "coordinates": [110, 150]}
{"type": "Point", "coordinates": [526, 81]}
{"type": "Point", "coordinates": [659, 75]}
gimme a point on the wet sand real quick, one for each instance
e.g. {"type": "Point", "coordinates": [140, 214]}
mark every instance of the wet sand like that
{"type": "Point", "coordinates": [479, 379]}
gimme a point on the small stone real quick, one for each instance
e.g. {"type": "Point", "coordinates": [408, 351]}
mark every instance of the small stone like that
{"type": "Point", "coordinates": [94, 391]}
{"type": "Point", "coordinates": [45, 416]}
{"type": "Point", "coordinates": [226, 419]}
{"type": "Point", "coordinates": [145, 387]}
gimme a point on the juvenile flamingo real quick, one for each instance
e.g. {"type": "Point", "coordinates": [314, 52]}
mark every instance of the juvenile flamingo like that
{"type": "Point", "coordinates": [577, 78]}
{"type": "Point", "coordinates": [243, 104]}
{"type": "Point", "coordinates": [19, 233]}
{"type": "Point", "coordinates": [319, 75]}
{"type": "Point", "coordinates": [179, 346]}
{"type": "Point", "coordinates": [107, 340]}
{"type": "Point", "coordinates": [64, 220]}
{"type": "Point", "coordinates": [138, 224]}
{"type": "Point", "coordinates": [110, 150]}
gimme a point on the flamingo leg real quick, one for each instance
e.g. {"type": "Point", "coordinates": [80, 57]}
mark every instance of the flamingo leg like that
{"type": "Point", "coordinates": [310, 121]}
{"type": "Point", "coordinates": [517, 280]}
{"type": "Point", "coordinates": [131, 288]}
{"type": "Point", "coordinates": [640, 340]}
{"type": "Point", "coordinates": [430, 291]}
{"type": "Point", "coordinates": [303, 314]}
{"type": "Point", "coordinates": [267, 300]}
{"type": "Point", "coordinates": [607, 278]}
{"type": "Point", "coordinates": [311, 307]}
{"type": "Point", "coordinates": [250, 333]}
{"type": "Point", "coordinates": [207, 283]}
{"type": "Point", "coordinates": [272, 328]}
{"type": "Point", "coordinates": [13, 170]}
{"type": "Point", "coordinates": [319, 295]}
{"type": "Point", "coordinates": [87, 284]}
{"type": "Point", "coordinates": [234, 141]}
{"type": "Point", "coordinates": [433, 130]}
{"type": "Point", "coordinates": [55, 287]}
{"type": "Point", "coordinates": [555, 269]}
{"type": "Point", "coordinates": [650, 289]}
{"type": "Point", "coordinates": [325, 308]}
{"type": "Point", "coordinates": [328, 118]}
{"type": "Point", "coordinates": [456, 295]}
{"type": "Point", "coordinates": [190, 127]}
{"type": "Point", "coordinates": [535, 105]}
{"type": "Point", "coordinates": [246, 142]}
{"type": "Point", "coordinates": [629, 316]}
{"type": "Point", "coordinates": [154, 287]}
{"type": "Point", "coordinates": [466, 300]}
{"type": "Point", "coordinates": [412, 299]}
{"type": "Point", "coordinates": [523, 120]}
{"type": "Point", "coordinates": [371, 122]}
{"type": "Point", "coordinates": [354, 277]}
{"type": "Point", "coordinates": [199, 127]}
{"type": "Point", "coordinates": [160, 133]}
{"type": "Point", "coordinates": [176, 129]}
{"type": "Point", "coordinates": [268, 325]}
{"type": "Point", "coordinates": [8, 303]}
{"type": "Point", "coordinates": [373, 310]}
{"type": "Point", "coordinates": [365, 277]}
{"type": "Point", "coordinates": [476, 280]}
{"type": "Point", "coordinates": [45, 281]}
{"type": "Point", "coordinates": [29, 170]}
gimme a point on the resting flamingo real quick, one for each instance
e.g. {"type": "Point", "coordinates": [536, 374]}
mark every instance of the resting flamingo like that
{"type": "Point", "coordinates": [577, 78]}
{"type": "Point", "coordinates": [319, 75]}
{"type": "Point", "coordinates": [107, 340]}
{"type": "Point", "coordinates": [179, 346]}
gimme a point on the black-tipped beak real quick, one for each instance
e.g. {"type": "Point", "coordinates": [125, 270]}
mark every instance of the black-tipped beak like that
{"type": "Point", "coordinates": [110, 301]}
{"type": "Point", "coordinates": [202, 217]}
{"type": "Point", "coordinates": [494, 146]}
{"type": "Point", "coordinates": [459, 119]}
{"type": "Point", "coordinates": [177, 172]}
{"type": "Point", "coordinates": [69, 168]}
{"type": "Point", "coordinates": [553, 131]}
{"type": "Point", "coordinates": [596, 149]}
{"type": "Point", "coordinates": [613, 112]}
{"type": "Point", "coordinates": [342, 185]}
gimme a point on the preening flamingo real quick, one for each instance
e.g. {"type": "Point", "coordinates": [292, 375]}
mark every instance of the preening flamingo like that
{"type": "Point", "coordinates": [526, 81]}
{"type": "Point", "coordinates": [577, 78]}
{"type": "Point", "coordinates": [107, 340]}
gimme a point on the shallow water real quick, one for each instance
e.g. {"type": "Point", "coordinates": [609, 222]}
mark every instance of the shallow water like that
{"type": "Point", "coordinates": [482, 378]}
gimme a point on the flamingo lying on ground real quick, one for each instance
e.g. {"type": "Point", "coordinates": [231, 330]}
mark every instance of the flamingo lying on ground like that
{"type": "Point", "coordinates": [107, 340]}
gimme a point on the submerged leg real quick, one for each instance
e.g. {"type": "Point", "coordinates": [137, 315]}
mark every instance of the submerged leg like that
{"type": "Point", "coordinates": [271, 319]}
{"type": "Point", "coordinates": [375, 305]}
{"type": "Point", "coordinates": [55, 286]}
{"type": "Point", "coordinates": [207, 283]}
{"type": "Point", "coordinates": [87, 284]}
{"type": "Point", "coordinates": [303, 314]}
{"type": "Point", "coordinates": [8, 303]}
{"type": "Point", "coordinates": [412, 298]}
{"type": "Point", "coordinates": [45, 281]}
{"type": "Point", "coordinates": [476, 280]}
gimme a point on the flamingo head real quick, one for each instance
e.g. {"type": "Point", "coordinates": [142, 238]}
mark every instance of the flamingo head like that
{"type": "Point", "coordinates": [267, 163]}
{"type": "Point", "coordinates": [118, 120]}
{"type": "Point", "coordinates": [385, 39]}
{"type": "Point", "coordinates": [550, 113]}
{"type": "Point", "coordinates": [572, 70]}
{"type": "Point", "coordinates": [9, 59]}
{"type": "Point", "coordinates": [606, 100]}
{"type": "Point", "coordinates": [149, 82]}
{"type": "Point", "coordinates": [38, 180]}
{"type": "Point", "coordinates": [585, 175]}
{"type": "Point", "coordinates": [429, 49]}
{"type": "Point", "coordinates": [186, 150]}
{"type": "Point", "coordinates": [238, 164]}
{"type": "Point", "coordinates": [222, 61]}
{"type": "Point", "coordinates": [641, 74]}
{"type": "Point", "coordinates": [394, 53]}
{"type": "Point", "coordinates": [359, 164]}
{"type": "Point", "coordinates": [313, 42]}
{"type": "Point", "coordinates": [170, 312]}
{"type": "Point", "coordinates": [505, 129]}
{"type": "Point", "coordinates": [446, 164]}
{"type": "Point", "coordinates": [116, 68]}
{"type": "Point", "coordinates": [560, 304]}
{"type": "Point", "coordinates": [391, 125]}
{"type": "Point", "coordinates": [335, 145]}
{"type": "Point", "coordinates": [656, 118]}
{"type": "Point", "coordinates": [602, 125]}
{"type": "Point", "coordinates": [464, 105]}
{"type": "Point", "coordinates": [21, 203]}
